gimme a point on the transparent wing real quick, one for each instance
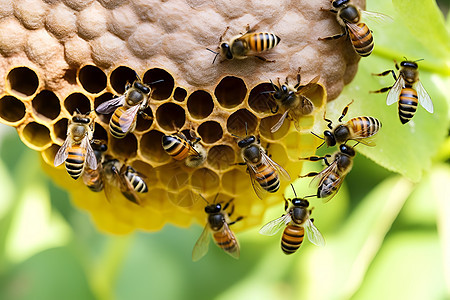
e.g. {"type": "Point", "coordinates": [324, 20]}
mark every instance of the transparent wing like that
{"type": "Point", "coordinates": [332, 189]}
{"type": "Point", "coordinates": [260, 192]}
{"type": "Point", "coordinates": [304, 88]}
{"type": "Point", "coordinates": [375, 17]}
{"type": "Point", "coordinates": [319, 178]}
{"type": "Point", "coordinates": [202, 245]}
{"type": "Point", "coordinates": [233, 251]}
{"type": "Point", "coordinates": [281, 171]}
{"type": "Point", "coordinates": [395, 91]}
{"type": "Point", "coordinates": [128, 117]}
{"type": "Point", "coordinates": [424, 98]}
{"type": "Point", "coordinates": [280, 122]}
{"type": "Point", "coordinates": [109, 106]}
{"type": "Point", "coordinates": [274, 226]}
{"type": "Point", "coordinates": [313, 233]}
{"type": "Point", "coordinates": [62, 153]}
{"type": "Point", "coordinates": [91, 160]}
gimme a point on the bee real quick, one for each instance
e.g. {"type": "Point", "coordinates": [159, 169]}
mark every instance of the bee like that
{"type": "Point", "coordinates": [295, 220]}
{"type": "Point", "coordinates": [76, 151]}
{"type": "Point", "coordinates": [349, 17]}
{"type": "Point", "coordinates": [247, 44]}
{"type": "Point", "coordinates": [358, 129]}
{"type": "Point", "coordinates": [264, 172]}
{"type": "Point", "coordinates": [127, 179]}
{"type": "Point", "coordinates": [332, 177]}
{"type": "Point", "coordinates": [407, 90]}
{"type": "Point", "coordinates": [126, 107]}
{"type": "Point", "coordinates": [219, 225]}
{"type": "Point", "coordinates": [180, 148]}
{"type": "Point", "coordinates": [292, 100]}
{"type": "Point", "coordinates": [93, 179]}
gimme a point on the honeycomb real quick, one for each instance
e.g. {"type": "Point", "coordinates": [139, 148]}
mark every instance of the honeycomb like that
{"type": "Point", "coordinates": [62, 56]}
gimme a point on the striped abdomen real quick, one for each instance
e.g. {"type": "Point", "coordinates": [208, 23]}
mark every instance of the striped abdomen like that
{"type": "Point", "coordinates": [75, 161]}
{"type": "Point", "coordinates": [267, 177]}
{"type": "Point", "coordinates": [364, 126]}
{"type": "Point", "coordinates": [136, 181]}
{"type": "Point", "coordinates": [407, 104]}
{"type": "Point", "coordinates": [93, 179]}
{"type": "Point", "coordinates": [292, 238]}
{"type": "Point", "coordinates": [117, 123]}
{"type": "Point", "coordinates": [176, 147]}
{"type": "Point", "coordinates": [262, 41]}
{"type": "Point", "coordinates": [225, 240]}
{"type": "Point", "coordinates": [328, 186]}
{"type": "Point", "coordinates": [361, 38]}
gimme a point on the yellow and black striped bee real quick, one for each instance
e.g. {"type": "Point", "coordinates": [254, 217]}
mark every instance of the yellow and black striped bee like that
{"type": "Point", "coordinates": [264, 172]}
{"type": "Point", "coordinates": [219, 225]}
{"type": "Point", "coordinates": [291, 99]}
{"type": "Point", "coordinates": [76, 151]}
{"type": "Point", "coordinates": [93, 179]}
{"type": "Point", "coordinates": [180, 148]}
{"type": "Point", "coordinates": [349, 17]}
{"type": "Point", "coordinates": [126, 107]}
{"type": "Point", "coordinates": [247, 44]}
{"type": "Point", "coordinates": [358, 129]}
{"type": "Point", "coordinates": [331, 178]}
{"type": "Point", "coordinates": [295, 220]}
{"type": "Point", "coordinates": [407, 90]}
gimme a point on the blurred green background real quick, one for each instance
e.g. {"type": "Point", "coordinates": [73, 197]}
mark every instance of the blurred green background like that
{"type": "Point", "coordinates": [387, 232]}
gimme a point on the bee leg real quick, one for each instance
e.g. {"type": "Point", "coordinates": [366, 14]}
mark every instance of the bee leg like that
{"type": "Point", "coordinates": [333, 37]}
{"type": "Point", "coordinates": [146, 116]}
{"type": "Point", "coordinates": [237, 220]}
{"type": "Point", "coordinates": [223, 34]}
{"type": "Point", "coordinates": [274, 111]}
{"type": "Point", "coordinates": [344, 112]}
{"type": "Point", "coordinates": [286, 204]}
{"type": "Point", "coordinates": [298, 79]}
{"type": "Point", "coordinates": [386, 73]}
{"type": "Point", "coordinates": [310, 174]}
{"type": "Point", "coordinates": [317, 158]}
{"type": "Point", "coordinates": [383, 90]}
{"type": "Point", "coordinates": [228, 204]}
{"type": "Point", "coordinates": [264, 59]}
{"type": "Point", "coordinates": [197, 139]}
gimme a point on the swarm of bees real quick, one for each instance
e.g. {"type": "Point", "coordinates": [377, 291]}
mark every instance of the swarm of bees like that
{"type": "Point", "coordinates": [84, 156]}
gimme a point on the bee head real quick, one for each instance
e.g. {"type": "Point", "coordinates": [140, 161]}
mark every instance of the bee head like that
{"type": "Point", "coordinates": [213, 208]}
{"type": "Point", "coordinates": [300, 202]}
{"type": "Point", "coordinates": [225, 50]}
{"type": "Point", "coordinates": [80, 119]}
{"type": "Point", "coordinates": [409, 64]}
{"type": "Point", "coordinates": [339, 3]}
{"type": "Point", "coordinates": [329, 138]}
{"type": "Point", "coordinates": [141, 87]}
{"type": "Point", "coordinates": [349, 13]}
{"type": "Point", "coordinates": [247, 141]}
{"type": "Point", "coordinates": [347, 150]}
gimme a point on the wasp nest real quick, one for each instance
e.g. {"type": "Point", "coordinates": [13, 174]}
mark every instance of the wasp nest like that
{"type": "Point", "coordinates": [64, 56]}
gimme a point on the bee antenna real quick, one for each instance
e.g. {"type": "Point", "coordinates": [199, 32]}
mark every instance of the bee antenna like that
{"type": "Point", "coordinates": [317, 135]}
{"type": "Point", "coordinates": [216, 54]}
{"type": "Point", "coordinates": [205, 198]}
{"type": "Point", "coordinates": [246, 128]}
{"type": "Point", "coordinates": [215, 198]}
{"type": "Point", "coordinates": [295, 194]}
{"type": "Point", "coordinates": [78, 111]}
{"type": "Point", "coordinates": [309, 196]}
{"type": "Point", "coordinates": [236, 136]}
{"type": "Point", "coordinates": [419, 59]}
{"type": "Point", "coordinates": [156, 81]}
{"type": "Point", "coordinates": [137, 76]}
{"type": "Point", "coordinates": [320, 145]}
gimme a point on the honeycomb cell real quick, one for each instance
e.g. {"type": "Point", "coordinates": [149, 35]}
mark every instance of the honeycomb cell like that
{"type": "Point", "coordinates": [151, 147]}
{"type": "Point", "coordinates": [120, 77]}
{"type": "Point", "coordinates": [259, 100]}
{"type": "Point", "coordinates": [92, 79]}
{"type": "Point", "coordinates": [99, 100]}
{"type": "Point", "coordinates": [236, 180]}
{"type": "Point", "coordinates": [22, 81]}
{"type": "Point", "coordinates": [46, 105]}
{"type": "Point", "coordinates": [230, 91]}
{"type": "Point", "coordinates": [170, 116]}
{"type": "Point", "coordinates": [176, 180]}
{"type": "Point", "coordinates": [210, 132]}
{"type": "Point", "coordinates": [147, 170]}
{"type": "Point", "coordinates": [179, 94]}
{"type": "Point", "coordinates": [160, 90]}
{"type": "Point", "coordinates": [77, 102]}
{"type": "Point", "coordinates": [124, 148]}
{"type": "Point", "coordinates": [100, 133]}
{"type": "Point", "coordinates": [221, 157]}
{"type": "Point", "coordinates": [267, 123]}
{"type": "Point", "coordinates": [49, 154]}
{"type": "Point", "coordinates": [242, 122]}
{"type": "Point", "coordinates": [292, 142]}
{"type": "Point", "coordinates": [36, 136]}
{"type": "Point", "coordinates": [200, 104]}
{"type": "Point", "coordinates": [60, 129]}
{"type": "Point", "coordinates": [11, 109]}
{"type": "Point", "coordinates": [143, 124]}
{"type": "Point", "coordinates": [205, 180]}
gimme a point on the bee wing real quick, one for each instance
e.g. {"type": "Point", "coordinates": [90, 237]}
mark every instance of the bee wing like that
{"type": "Point", "coordinates": [62, 153]}
{"type": "Point", "coordinates": [395, 91]}
{"type": "Point", "coordinates": [424, 98]}
{"type": "Point", "coordinates": [281, 171]}
{"type": "Point", "coordinates": [260, 192]}
{"type": "Point", "coordinates": [234, 251]}
{"type": "Point", "coordinates": [280, 122]}
{"type": "Point", "coordinates": [202, 245]}
{"type": "Point", "coordinates": [127, 189]}
{"type": "Point", "coordinates": [304, 88]}
{"type": "Point", "coordinates": [274, 226]}
{"type": "Point", "coordinates": [109, 106]}
{"type": "Point", "coordinates": [91, 160]}
{"type": "Point", "coordinates": [313, 233]}
{"type": "Point", "coordinates": [128, 116]}
{"type": "Point", "coordinates": [375, 17]}
{"type": "Point", "coordinates": [336, 185]}
{"type": "Point", "coordinates": [319, 178]}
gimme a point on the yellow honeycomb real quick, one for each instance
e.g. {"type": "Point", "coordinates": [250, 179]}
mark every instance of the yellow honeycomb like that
{"type": "Point", "coordinates": [63, 56]}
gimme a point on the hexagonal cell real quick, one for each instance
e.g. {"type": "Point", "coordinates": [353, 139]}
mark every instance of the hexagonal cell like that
{"type": "Point", "coordinates": [200, 104]}
{"type": "Point", "coordinates": [316, 94]}
{"type": "Point", "coordinates": [292, 142]}
{"type": "Point", "coordinates": [143, 124]}
{"type": "Point", "coordinates": [147, 170]}
{"type": "Point", "coordinates": [119, 78]}
{"type": "Point", "coordinates": [221, 157]}
{"type": "Point", "coordinates": [92, 79]}
{"type": "Point", "coordinates": [22, 81]}
{"type": "Point", "coordinates": [242, 123]}
{"type": "Point", "coordinates": [124, 148]}
{"type": "Point", "coordinates": [170, 116]}
{"type": "Point", "coordinates": [210, 131]}
{"type": "Point", "coordinates": [151, 147]}
{"type": "Point", "coordinates": [236, 181]}
{"type": "Point", "coordinates": [100, 133]}
{"type": "Point", "coordinates": [230, 91]}
{"type": "Point", "coordinates": [49, 154]}
{"type": "Point", "coordinates": [267, 123]}
{"type": "Point", "coordinates": [160, 90]}
{"type": "Point", "coordinates": [205, 180]}
{"type": "Point", "coordinates": [77, 101]}
{"type": "Point", "coordinates": [99, 100]}
{"type": "Point", "coordinates": [36, 135]}
{"type": "Point", "coordinates": [179, 94]}
{"type": "Point", "coordinates": [60, 129]}
{"type": "Point", "coordinates": [12, 109]}
{"type": "Point", "coordinates": [46, 105]}
{"type": "Point", "coordinates": [259, 100]}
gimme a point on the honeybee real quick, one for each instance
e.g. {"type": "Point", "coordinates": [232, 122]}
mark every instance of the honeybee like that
{"type": "Point", "coordinates": [407, 90]}
{"type": "Point", "coordinates": [180, 148]}
{"type": "Point", "coordinates": [358, 129]}
{"type": "Point", "coordinates": [292, 100]}
{"type": "Point", "coordinates": [247, 44]}
{"type": "Point", "coordinates": [127, 179]}
{"type": "Point", "coordinates": [295, 220]}
{"type": "Point", "coordinates": [93, 179]}
{"type": "Point", "coordinates": [76, 151]}
{"type": "Point", "coordinates": [126, 107]}
{"type": "Point", "coordinates": [264, 172]}
{"type": "Point", "coordinates": [332, 177]}
{"type": "Point", "coordinates": [349, 17]}
{"type": "Point", "coordinates": [219, 225]}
